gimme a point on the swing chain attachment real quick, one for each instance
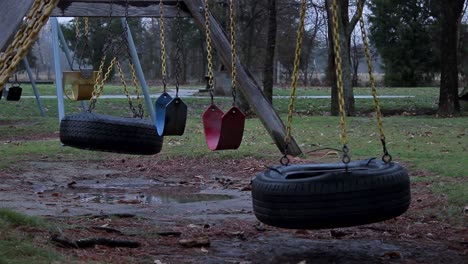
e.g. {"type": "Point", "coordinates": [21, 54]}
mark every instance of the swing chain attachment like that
{"type": "Point", "coordinates": [339, 81]}
{"type": "Point", "coordinates": [80, 38]}
{"type": "Point", "coordinates": [292, 98]}
{"type": "Point", "coordinates": [100, 80]}
{"type": "Point", "coordinates": [163, 44]}
{"type": "Point", "coordinates": [25, 37]}
{"type": "Point", "coordinates": [178, 68]}
{"type": "Point", "coordinates": [386, 156]}
{"type": "Point", "coordinates": [136, 113]}
{"type": "Point", "coordinates": [209, 48]}
{"type": "Point", "coordinates": [233, 51]}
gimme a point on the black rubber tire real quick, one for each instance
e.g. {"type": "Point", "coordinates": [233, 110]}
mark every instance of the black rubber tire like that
{"type": "Point", "coordinates": [109, 133]}
{"type": "Point", "coordinates": [318, 196]}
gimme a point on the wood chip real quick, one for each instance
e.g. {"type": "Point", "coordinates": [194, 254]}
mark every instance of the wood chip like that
{"type": "Point", "coordinates": [195, 242]}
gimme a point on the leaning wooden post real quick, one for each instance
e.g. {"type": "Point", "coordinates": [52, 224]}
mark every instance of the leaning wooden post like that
{"type": "Point", "coordinates": [254, 95]}
{"type": "Point", "coordinates": [11, 18]}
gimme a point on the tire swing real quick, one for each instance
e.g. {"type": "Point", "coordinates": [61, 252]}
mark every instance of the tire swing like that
{"type": "Point", "coordinates": [331, 195]}
{"type": "Point", "coordinates": [82, 80]}
{"type": "Point", "coordinates": [92, 131]}
{"type": "Point", "coordinates": [171, 113]}
{"type": "Point", "coordinates": [222, 130]}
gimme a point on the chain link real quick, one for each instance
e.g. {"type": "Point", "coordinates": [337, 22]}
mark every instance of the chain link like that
{"type": "Point", "coordinates": [209, 48]}
{"type": "Point", "coordinates": [339, 80]}
{"type": "Point", "coordinates": [141, 111]}
{"type": "Point", "coordinates": [163, 44]}
{"type": "Point", "coordinates": [28, 33]}
{"type": "Point", "coordinates": [81, 37]}
{"type": "Point", "coordinates": [292, 98]}
{"type": "Point", "coordinates": [233, 51]}
{"type": "Point", "coordinates": [100, 81]}
{"type": "Point", "coordinates": [178, 68]}
{"type": "Point", "coordinates": [386, 156]}
{"type": "Point", "coordinates": [136, 113]}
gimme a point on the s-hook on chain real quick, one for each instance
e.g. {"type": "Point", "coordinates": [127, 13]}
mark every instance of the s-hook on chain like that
{"type": "Point", "coordinates": [339, 82]}
{"type": "Point", "coordinates": [300, 32]}
{"type": "Point", "coordinates": [386, 156]}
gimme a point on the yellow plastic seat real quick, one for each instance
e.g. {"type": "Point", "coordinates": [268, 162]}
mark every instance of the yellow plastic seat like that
{"type": "Point", "coordinates": [82, 83]}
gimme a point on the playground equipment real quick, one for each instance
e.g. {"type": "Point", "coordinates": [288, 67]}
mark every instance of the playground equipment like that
{"type": "Point", "coordinates": [14, 92]}
{"type": "Point", "coordinates": [330, 195]}
{"type": "Point", "coordinates": [83, 79]}
{"type": "Point", "coordinates": [222, 130]}
{"type": "Point", "coordinates": [37, 12]}
{"type": "Point", "coordinates": [92, 131]}
{"type": "Point", "coordinates": [171, 113]}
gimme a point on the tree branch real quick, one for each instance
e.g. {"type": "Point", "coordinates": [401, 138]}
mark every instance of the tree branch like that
{"type": "Point", "coordinates": [354, 20]}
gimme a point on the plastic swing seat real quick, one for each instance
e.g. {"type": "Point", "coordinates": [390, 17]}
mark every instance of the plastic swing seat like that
{"type": "Point", "coordinates": [82, 83]}
{"type": "Point", "coordinates": [171, 115]}
{"type": "Point", "coordinates": [13, 93]}
{"type": "Point", "coordinates": [223, 130]}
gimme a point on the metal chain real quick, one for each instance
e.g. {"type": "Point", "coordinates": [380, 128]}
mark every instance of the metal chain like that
{"type": "Point", "coordinates": [178, 68]}
{"type": "Point", "coordinates": [386, 156]}
{"type": "Point", "coordinates": [141, 111]}
{"type": "Point", "coordinates": [339, 81]}
{"type": "Point", "coordinates": [209, 48]}
{"type": "Point", "coordinates": [127, 93]}
{"type": "Point", "coordinates": [163, 44]}
{"type": "Point", "coordinates": [80, 38]}
{"type": "Point", "coordinates": [233, 52]}
{"type": "Point", "coordinates": [25, 37]}
{"type": "Point", "coordinates": [300, 33]}
{"type": "Point", "coordinates": [100, 81]}
{"type": "Point", "coordinates": [124, 44]}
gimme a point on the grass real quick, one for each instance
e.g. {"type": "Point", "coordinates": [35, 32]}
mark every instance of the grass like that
{"type": "Point", "coordinates": [420, 142]}
{"type": "Point", "coordinates": [16, 245]}
{"type": "Point", "coordinates": [49, 89]}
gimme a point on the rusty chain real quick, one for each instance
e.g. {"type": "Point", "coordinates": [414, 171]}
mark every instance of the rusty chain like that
{"type": "Point", "coordinates": [25, 37]}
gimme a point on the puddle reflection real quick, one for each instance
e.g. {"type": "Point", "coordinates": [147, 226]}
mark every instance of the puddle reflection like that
{"type": "Point", "coordinates": [166, 198]}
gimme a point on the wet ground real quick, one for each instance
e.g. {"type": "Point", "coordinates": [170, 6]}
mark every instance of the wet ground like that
{"type": "Point", "coordinates": [161, 202]}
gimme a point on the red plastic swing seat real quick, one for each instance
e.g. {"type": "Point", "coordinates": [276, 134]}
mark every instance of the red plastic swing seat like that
{"type": "Point", "coordinates": [223, 130]}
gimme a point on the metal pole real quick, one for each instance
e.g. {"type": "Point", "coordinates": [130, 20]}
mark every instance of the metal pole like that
{"type": "Point", "coordinates": [69, 58]}
{"type": "Point", "coordinates": [139, 70]}
{"type": "Point", "coordinates": [57, 68]}
{"type": "Point", "coordinates": [33, 84]}
{"type": "Point", "coordinates": [65, 48]}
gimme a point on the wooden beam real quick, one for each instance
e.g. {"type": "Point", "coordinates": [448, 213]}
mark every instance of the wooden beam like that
{"type": "Point", "coordinates": [103, 8]}
{"type": "Point", "coordinates": [247, 84]}
{"type": "Point", "coordinates": [12, 15]}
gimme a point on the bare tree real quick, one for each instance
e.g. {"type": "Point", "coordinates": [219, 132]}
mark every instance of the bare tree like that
{"type": "Point", "coordinates": [345, 29]}
{"type": "Point", "coordinates": [270, 52]}
{"type": "Point", "coordinates": [450, 20]}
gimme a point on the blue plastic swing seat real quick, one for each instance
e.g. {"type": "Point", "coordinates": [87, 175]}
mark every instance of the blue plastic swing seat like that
{"type": "Point", "coordinates": [171, 115]}
{"type": "Point", "coordinates": [223, 130]}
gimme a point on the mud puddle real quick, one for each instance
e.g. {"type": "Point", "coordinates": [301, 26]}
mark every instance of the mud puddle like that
{"type": "Point", "coordinates": [73, 192]}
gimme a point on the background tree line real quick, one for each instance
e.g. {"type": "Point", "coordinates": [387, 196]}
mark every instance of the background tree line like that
{"type": "Point", "coordinates": [407, 43]}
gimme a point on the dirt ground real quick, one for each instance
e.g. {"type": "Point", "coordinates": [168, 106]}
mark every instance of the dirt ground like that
{"type": "Point", "coordinates": [168, 206]}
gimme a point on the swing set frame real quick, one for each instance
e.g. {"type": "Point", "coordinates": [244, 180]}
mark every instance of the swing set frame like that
{"type": "Point", "coordinates": [150, 8]}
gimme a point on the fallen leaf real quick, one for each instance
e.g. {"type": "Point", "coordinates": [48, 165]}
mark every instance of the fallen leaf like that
{"type": "Point", "coordinates": [204, 250]}
{"type": "Point", "coordinates": [129, 202]}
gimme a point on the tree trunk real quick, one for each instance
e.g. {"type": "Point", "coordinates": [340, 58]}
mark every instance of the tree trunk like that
{"type": "Point", "coordinates": [449, 104]}
{"type": "Point", "coordinates": [345, 28]}
{"type": "Point", "coordinates": [270, 52]}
